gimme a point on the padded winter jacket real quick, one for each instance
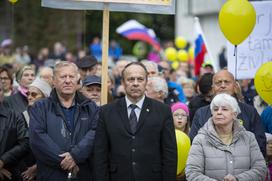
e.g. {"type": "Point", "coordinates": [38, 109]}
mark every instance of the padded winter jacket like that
{"type": "Point", "coordinates": [210, 159]}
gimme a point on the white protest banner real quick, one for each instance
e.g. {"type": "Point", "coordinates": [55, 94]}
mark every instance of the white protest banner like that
{"type": "Point", "coordinates": [257, 48]}
{"type": "Point", "coordinates": [139, 6]}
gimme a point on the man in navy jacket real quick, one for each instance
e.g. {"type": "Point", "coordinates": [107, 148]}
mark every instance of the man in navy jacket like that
{"type": "Point", "coordinates": [62, 129]}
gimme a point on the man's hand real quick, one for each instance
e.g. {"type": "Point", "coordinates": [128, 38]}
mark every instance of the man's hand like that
{"type": "Point", "coordinates": [30, 173]}
{"type": "Point", "coordinates": [75, 170]}
{"type": "Point", "coordinates": [229, 177]}
{"type": "Point", "coordinates": [68, 162]}
{"type": "Point", "coordinates": [5, 173]}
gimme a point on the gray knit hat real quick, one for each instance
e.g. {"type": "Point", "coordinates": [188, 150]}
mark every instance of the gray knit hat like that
{"type": "Point", "coordinates": [43, 86]}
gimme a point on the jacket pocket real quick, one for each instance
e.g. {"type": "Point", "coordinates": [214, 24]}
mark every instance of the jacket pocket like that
{"type": "Point", "coordinates": [156, 168]}
{"type": "Point", "coordinates": [113, 168]}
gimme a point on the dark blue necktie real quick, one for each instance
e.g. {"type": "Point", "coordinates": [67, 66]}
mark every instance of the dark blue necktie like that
{"type": "Point", "coordinates": [133, 118]}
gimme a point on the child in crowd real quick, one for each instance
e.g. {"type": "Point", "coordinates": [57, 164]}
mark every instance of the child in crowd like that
{"type": "Point", "coordinates": [180, 114]}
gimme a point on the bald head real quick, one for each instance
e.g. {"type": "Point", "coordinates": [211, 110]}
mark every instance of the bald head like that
{"type": "Point", "coordinates": [224, 82]}
{"type": "Point", "coordinates": [223, 72]}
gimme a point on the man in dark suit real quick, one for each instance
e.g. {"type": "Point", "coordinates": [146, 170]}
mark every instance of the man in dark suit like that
{"type": "Point", "coordinates": [135, 143]}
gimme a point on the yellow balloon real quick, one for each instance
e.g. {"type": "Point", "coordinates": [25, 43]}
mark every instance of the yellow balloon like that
{"type": "Point", "coordinates": [191, 53]}
{"type": "Point", "coordinates": [237, 19]}
{"type": "Point", "coordinates": [13, 1]}
{"type": "Point", "coordinates": [171, 54]}
{"type": "Point", "coordinates": [263, 82]}
{"type": "Point", "coordinates": [180, 42]}
{"type": "Point", "coordinates": [175, 65]}
{"type": "Point", "coordinates": [183, 145]}
{"type": "Point", "coordinates": [183, 56]}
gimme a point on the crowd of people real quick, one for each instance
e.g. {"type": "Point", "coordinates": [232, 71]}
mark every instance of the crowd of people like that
{"type": "Point", "coordinates": [53, 126]}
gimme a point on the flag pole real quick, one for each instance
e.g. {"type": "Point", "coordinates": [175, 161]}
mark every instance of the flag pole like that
{"type": "Point", "coordinates": [105, 50]}
{"type": "Point", "coordinates": [197, 23]}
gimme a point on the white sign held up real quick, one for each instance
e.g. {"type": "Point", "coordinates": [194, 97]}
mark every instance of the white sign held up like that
{"type": "Point", "coordinates": [257, 48]}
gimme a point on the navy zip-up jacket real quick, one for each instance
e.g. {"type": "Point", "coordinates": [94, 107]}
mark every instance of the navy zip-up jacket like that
{"type": "Point", "coordinates": [49, 136]}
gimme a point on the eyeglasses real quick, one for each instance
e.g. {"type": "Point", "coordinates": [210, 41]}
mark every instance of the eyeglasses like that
{"type": "Point", "coordinates": [32, 94]}
{"type": "Point", "coordinates": [4, 78]}
{"type": "Point", "coordinates": [225, 82]}
{"type": "Point", "coordinates": [182, 116]}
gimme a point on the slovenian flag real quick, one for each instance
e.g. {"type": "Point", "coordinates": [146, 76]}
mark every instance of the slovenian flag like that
{"type": "Point", "coordinates": [133, 30]}
{"type": "Point", "coordinates": [200, 47]}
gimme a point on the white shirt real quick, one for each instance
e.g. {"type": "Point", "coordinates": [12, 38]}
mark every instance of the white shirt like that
{"type": "Point", "coordinates": [138, 109]}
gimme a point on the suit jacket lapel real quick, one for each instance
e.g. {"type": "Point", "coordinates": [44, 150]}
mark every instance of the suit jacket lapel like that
{"type": "Point", "coordinates": [122, 109]}
{"type": "Point", "coordinates": [144, 113]}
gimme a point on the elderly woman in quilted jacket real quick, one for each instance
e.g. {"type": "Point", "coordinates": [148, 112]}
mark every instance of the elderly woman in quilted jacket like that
{"type": "Point", "coordinates": [223, 149]}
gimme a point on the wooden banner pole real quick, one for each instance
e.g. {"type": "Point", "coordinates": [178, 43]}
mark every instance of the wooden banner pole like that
{"type": "Point", "coordinates": [105, 50]}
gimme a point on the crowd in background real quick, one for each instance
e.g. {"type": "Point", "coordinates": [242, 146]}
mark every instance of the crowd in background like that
{"type": "Point", "coordinates": [27, 78]}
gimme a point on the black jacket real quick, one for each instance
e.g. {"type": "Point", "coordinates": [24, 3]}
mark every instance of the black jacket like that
{"type": "Point", "coordinates": [13, 140]}
{"type": "Point", "coordinates": [16, 102]}
{"type": "Point", "coordinates": [149, 154]}
{"type": "Point", "coordinates": [50, 137]}
{"type": "Point", "coordinates": [196, 103]}
{"type": "Point", "coordinates": [250, 120]}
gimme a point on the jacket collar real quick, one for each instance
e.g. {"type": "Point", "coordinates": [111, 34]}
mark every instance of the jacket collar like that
{"type": "Point", "coordinates": [122, 109]}
{"type": "Point", "coordinates": [79, 98]}
{"type": "Point", "coordinates": [209, 130]}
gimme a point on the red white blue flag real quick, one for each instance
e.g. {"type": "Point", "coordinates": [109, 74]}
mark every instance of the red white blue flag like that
{"type": "Point", "coordinates": [200, 47]}
{"type": "Point", "coordinates": [133, 30]}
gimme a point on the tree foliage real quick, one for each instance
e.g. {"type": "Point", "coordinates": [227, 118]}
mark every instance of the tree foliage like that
{"type": "Point", "coordinates": [39, 27]}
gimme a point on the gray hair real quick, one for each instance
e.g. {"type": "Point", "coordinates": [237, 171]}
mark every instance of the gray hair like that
{"type": "Point", "coordinates": [44, 69]}
{"type": "Point", "coordinates": [159, 84]}
{"type": "Point", "coordinates": [148, 64]}
{"type": "Point", "coordinates": [225, 100]}
{"type": "Point", "coordinates": [60, 64]}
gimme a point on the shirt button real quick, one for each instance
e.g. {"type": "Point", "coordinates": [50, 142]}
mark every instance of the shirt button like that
{"type": "Point", "coordinates": [133, 137]}
{"type": "Point", "coordinates": [133, 163]}
{"type": "Point", "coordinates": [230, 161]}
{"type": "Point", "coordinates": [133, 150]}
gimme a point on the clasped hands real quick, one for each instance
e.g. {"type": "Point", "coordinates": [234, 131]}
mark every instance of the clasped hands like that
{"type": "Point", "coordinates": [4, 173]}
{"type": "Point", "coordinates": [229, 177]}
{"type": "Point", "coordinates": [68, 163]}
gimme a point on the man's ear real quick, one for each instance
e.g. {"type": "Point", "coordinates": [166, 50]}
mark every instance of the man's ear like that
{"type": "Point", "coordinates": [161, 94]}
{"type": "Point", "coordinates": [122, 82]}
{"type": "Point", "coordinates": [237, 90]}
{"type": "Point", "coordinates": [213, 90]}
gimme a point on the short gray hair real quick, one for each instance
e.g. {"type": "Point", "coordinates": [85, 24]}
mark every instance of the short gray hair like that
{"type": "Point", "coordinates": [148, 64]}
{"type": "Point", "coordinates": [60, 64]}
{"type": "Point", "coordinates": [224, 100]}
{"type": "Point", "coordinates": [159, 84]}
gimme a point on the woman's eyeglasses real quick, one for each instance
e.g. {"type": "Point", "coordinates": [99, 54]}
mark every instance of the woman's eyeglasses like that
{"type": "Point", "coordinates": [4, 78]}
{"type": "Point", "coordinates": [32, 94]}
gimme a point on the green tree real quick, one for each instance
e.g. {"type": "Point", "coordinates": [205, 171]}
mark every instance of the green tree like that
{"type": "Point", "coordinates": [39, 27]}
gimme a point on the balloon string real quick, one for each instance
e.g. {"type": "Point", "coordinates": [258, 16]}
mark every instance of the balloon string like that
{"type": "Point", "coordinates": [235, 54]}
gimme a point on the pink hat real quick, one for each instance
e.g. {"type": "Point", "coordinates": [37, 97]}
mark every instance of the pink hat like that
{"type": "Point", "coordinates": [180, 105]}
